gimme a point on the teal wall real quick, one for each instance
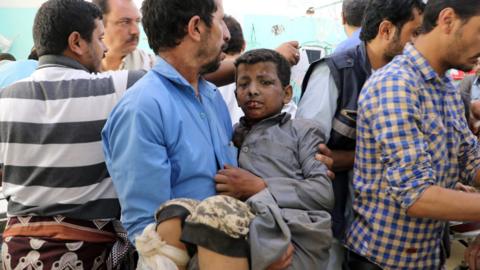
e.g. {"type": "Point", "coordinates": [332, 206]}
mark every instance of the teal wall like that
{"type": "Point", "coordinates": [309, 31]}
{"type": "Point", "coordinates": [16, 24]}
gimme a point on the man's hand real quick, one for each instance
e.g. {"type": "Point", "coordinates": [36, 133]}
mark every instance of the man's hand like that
{"type": "Point", "coordinates": [285, 261]}
{"type": "Point", "coordinates": [461, 187]}
{"type": "Point", "coordinates": [238, 183]}
{"type": "Point", "coordinates": [325, 156]}
{"type": "Point", "coordinates": [289, 50]}
{"type": "Point", "coordinates": [472, 254]}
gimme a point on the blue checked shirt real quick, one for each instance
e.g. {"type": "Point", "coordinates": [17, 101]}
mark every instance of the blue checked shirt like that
{"type": "Point", "coordinates": [411, 134]}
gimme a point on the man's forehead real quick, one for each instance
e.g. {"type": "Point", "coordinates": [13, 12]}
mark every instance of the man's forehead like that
{"type": "Point", "coordinates": [123, 9]}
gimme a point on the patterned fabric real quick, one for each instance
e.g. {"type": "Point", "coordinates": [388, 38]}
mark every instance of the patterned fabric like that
{"type": "Point", "coordinates": [56, 243]}
{"type": "Point", "coordinates": [411, 134]}
{"type": "Point", "coordinates": [225, 214]}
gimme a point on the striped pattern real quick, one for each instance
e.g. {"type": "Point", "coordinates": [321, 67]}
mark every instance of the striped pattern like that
{"type": "Point", "coordinates": [411, 134]}
{"type": "Point", "coordinates": [50, 142]}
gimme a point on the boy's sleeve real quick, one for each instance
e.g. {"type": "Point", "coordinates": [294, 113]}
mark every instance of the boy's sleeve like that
{"type": "Point", "coordinates": [315, 191]}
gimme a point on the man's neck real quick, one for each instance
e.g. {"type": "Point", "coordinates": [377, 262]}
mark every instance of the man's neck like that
{"type": "Point", "coordinates": [375, 54]}
{"type": "Point", "coordinates": [185, 64]}
{"type": "Point", "coordinates": [112, 61]}
{"type": "Point", "coordinates": [430, 48]}
{"type": "Point", "coordinates": [349, 30]}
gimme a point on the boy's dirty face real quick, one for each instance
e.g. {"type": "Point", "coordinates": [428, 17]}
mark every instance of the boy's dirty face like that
{"type": "Point", "coordinates": [259, 91]}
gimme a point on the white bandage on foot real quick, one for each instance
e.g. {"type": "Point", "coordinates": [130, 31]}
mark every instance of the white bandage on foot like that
{"type": "Point", "coordinates": [154, 253]}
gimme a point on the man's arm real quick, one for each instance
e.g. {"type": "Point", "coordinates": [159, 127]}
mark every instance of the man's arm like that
{"type": "Point", "coordinates": [406, 156]}
{"type": "Point", "coordinates": [138, 163]}
{"type": "Point", "coordinates": [446, 204]}
{"type": "Point", "coordinates": [319, 102]}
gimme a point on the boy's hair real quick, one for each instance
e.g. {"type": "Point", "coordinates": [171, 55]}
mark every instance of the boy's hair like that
{"type": "Point", "coordinates": [266, 55]}
{"type": "Point", "coordinates": [465, 9]}
{"type": "Point", "coordinates": [237, 42]}
{"type": "Point", "coordinates": [398, 12]}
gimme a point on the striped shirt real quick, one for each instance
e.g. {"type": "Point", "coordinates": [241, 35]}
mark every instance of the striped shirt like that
{"type": "Point", "coordinates": [411, 134]}
{"type": "Point", "coordinates": [50, 144]}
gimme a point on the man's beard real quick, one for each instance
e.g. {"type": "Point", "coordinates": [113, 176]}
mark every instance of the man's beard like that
{"type": "Point", "coordinates": [395, 48]}
{"type": "Point", "coordinates": [211, 66]}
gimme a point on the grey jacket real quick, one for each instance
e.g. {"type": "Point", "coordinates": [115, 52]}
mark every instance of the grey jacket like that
{"type": "Point", "coordinates": [294, 208]}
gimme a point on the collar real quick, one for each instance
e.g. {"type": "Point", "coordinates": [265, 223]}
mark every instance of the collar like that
{"type": "Point", "coordinates": [59, 60]}
{"type": "Point", "coordinates": [280, 118]}
{"type": "Point", "coordinates": [420, 62]}
{"type": "Point", "coordinates": [164, 68]}
{"type": "Point", "coordinates": [364, 56]}
{"type": "Point", "coordinates": [427, 71]}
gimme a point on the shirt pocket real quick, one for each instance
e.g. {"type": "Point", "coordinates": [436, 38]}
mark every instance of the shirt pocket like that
{"type": "Point", "coordinates": [435, 138]}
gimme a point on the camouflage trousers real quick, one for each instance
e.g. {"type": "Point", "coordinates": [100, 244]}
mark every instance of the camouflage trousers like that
{"type": "Point", "coordinates": [219, 223]}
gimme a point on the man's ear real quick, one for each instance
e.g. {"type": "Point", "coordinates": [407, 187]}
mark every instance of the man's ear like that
{"type": "Point", "coordinates": [76, 43]}
{"type": "Point", "coordinates": [386, 30]}
{"type": "Point", "coordinates": [446, 20]}
{"type": "Point", "coordinates": [195, 27]}
{"type": "Point", "coordinates": [288, 92]}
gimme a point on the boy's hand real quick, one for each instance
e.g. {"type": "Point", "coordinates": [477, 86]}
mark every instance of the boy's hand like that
{"type": "Point", "coordinates": [325, 156]}
{"type": "Point", "coordinates": [238, 183]}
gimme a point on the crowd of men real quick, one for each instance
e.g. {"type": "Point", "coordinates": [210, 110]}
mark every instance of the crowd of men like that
{"type": "Point", "coordinates": [118, 158]}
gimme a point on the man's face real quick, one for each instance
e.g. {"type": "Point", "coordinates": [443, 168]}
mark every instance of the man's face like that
{"type": "Point", "coordinates": [409, 31]}
{"type": "Point", "coordinates": [122, 27]}
{"type": "Point", "coordinates": [96, 48]}
{"type": "Point", "coordinates": [259, 91]}
{"type": "Point", "coordinates": [214, 41]}
{"type": "Point", "coordinates": [464, 48]}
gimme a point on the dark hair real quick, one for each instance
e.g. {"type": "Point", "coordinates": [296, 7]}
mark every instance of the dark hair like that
{"type": "Point", "coordinates": [102, 5]}
{"type": "Point", "coordinates": [353, 11]}
{"type": "Point", "coordinates": [398, 12]}
{"type": "Point", "coordinates": [237, 42]}
{"type": "Point", "coordinates": [165, 21]}
{"type": "Point", "coordinates": [266, 55]}
{"type": "Point", "coordinates": [465, 9]}
{"type": "Point", "coordinates": [57, 19]}
{"type": "Point", "coordinates": [7, 56]}
{"type": "Point", "coordinates": [33, 54]}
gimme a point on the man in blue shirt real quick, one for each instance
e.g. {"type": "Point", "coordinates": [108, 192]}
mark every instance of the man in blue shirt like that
{"type": "Point", "coordinates": [171, 133]}
{"type": "Point", "coordinates": [352, 15]}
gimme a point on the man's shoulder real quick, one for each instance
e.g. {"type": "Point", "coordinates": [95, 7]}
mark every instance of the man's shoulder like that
{"type": "Point", "coordinates": [139, 59]}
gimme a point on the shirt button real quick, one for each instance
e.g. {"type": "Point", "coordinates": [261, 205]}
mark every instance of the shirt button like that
{"type": "Point", "coordinates": [203, 115]}
{"type": "Point", "coordinates": [245, 149]}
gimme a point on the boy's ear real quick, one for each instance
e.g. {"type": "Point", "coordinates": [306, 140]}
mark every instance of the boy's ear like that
{"type": "Point", "coordinates": [288, 92]}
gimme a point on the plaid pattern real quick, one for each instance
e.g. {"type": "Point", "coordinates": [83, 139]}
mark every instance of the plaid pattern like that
{"type": "Point", "coordinates": [411, 134]}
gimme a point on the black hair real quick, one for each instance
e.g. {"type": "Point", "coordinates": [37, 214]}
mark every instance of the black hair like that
{"type": "Point", "coordinates": [465, 9]}
{"type": "Point", "coordinates": [165, 21]}
{"type": "Point", "coordinates": [103, 5]}
{"type": "Point", "coordinates": [266, 55]}
{"type": "Point", "coordinates": [398, 12]}
{"type": "Point", "coordinates": [33, 54]}
{"type": "Point", "coordinates": [57, 19]}
{"type": "Point", "coordinates": [353, 11]}
{"type": "Point", "coordinates": [237, 41]}
{"type": "Point", "coordinates": [7, 56]}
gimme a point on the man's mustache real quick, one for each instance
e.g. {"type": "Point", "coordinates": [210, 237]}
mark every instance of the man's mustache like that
{"type": "Point", "coordinates": [133, 38]}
